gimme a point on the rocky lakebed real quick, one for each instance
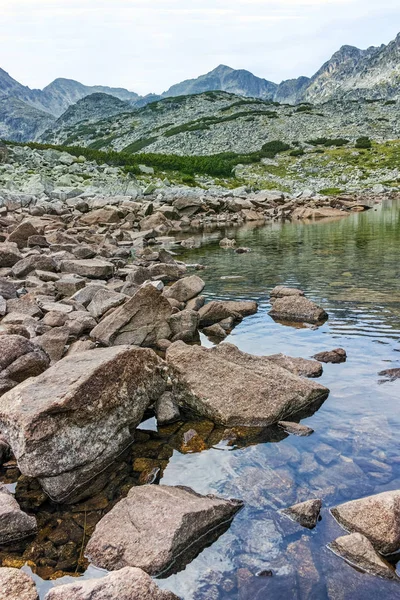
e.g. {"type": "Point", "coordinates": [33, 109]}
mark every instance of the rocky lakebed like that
{"type": "Point", "coordinates": [198, 390]}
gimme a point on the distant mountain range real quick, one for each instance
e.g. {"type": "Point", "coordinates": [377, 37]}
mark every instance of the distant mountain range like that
{"type": "Point", "coordinates": [351, 74]}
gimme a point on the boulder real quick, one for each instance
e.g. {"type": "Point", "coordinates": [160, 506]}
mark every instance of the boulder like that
{"type": "Point", "coordinates": [184, 325]}
{"type": "Point", "coordinates": [14, 523]}
{"type": "Point", "coordinates": [357, 550]}
{"type": "Point", "coordinates": [16, 585]}
{"type": "Point", "coordinates": [239, 389]}
{"type": "Point", "coordinates": [297, 309]}
{"type": "Point", "coordinates": [280, 291]}
{"type": "Point", "coordinates": [93, 268]}
{"type": "Point", "coordinates": [33, 263]}
{"type": "Point", "coordinates": [295, 428]}
{"type": "Point", "coordinates": [333, 356]}
{"type": "Point", "coordinates": [22, 233]}
{"type": "Point", "coordinates": [68, 424]}
{"type": "Point", "coordinates": [126, 584]}
{"type": "Point", "coordinates": [306, 213]}
{"type": "Point", "coordinates": [20, 359]}
{"type": "Point", "coordinates": [127, 535]}
{"type": "Point", "coordinates": [390, 374]}
{"type": "Point", "coordinates": [103, 300]}
{"type": "Point", "coordinates": [8, 288]}
{"type": "Point", "coordinates": [217, 310]}
{"type": "Point", "coordinates": [377, 517]}
{"type": "Point", "coordinates": [53, 342]}
{"type": "Point", "coordinates": [185, 289]}
{"type": "Point", "coordinates": [166, 409]}
{"type": "Point", "coordinates": [141, 321]}
{"type": "Point", "coordinates": [105, 215]}
{"type": "Point", "coordinates": [298, 366]}
{"type": "Point", "coordinates": [306, 513]}
{"type": "Point", "coordinates": [9, 254]}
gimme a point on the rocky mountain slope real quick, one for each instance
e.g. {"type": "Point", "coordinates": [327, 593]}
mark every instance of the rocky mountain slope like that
{"type": "Point", "coordinates": [20, 121]}
{"type": "Point", "coordinates": [240, 82]}
{"type": "Point", "coordinates": [215, 122]}
{"type": "Point", "coordinates": [91, 109]}
{"type": "Point", "coordinates": [58, 95]}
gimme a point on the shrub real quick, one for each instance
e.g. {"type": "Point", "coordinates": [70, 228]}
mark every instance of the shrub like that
{"type": "Point", "coordinates": [297, 152]}
{"type": "Point", "coordinates": [389, 102]}
{"type": "Point", "coordinates": [363, 142]}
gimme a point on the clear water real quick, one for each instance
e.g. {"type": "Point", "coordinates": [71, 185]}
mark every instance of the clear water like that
{"type": "Point", "coordinates": [351, 267]}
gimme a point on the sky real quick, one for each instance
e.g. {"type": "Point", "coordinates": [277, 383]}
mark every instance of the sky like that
{"type": "Point", "coordinates": [148, 45]}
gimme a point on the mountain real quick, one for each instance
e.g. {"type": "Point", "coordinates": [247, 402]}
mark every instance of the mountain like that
{"type": "Point", "coordinates": [58, 95]}
{"type": "Point", "coordinates": [20, 121]}
{"type": "Point", "coordinates": [93, 108]}
{"type": "Point", "coordinates": [223, 78]}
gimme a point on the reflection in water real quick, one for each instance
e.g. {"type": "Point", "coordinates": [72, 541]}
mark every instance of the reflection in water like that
{"type": "Point", "coordinates": [351, 268]}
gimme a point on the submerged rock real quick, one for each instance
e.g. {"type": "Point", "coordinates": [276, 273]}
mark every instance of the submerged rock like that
{"type": "Point", "coordinates": [14, 523]}
{"type": "Point", "coordinates": [158, 529]}
{"type": "Point", "coordinates": [296, 428]}
{"type": "Point", "coordinates": [239, 389]}
{"type": "Point", "coordinates": [306, 513]}
{"type": "Point", "coordinates": [126, 584]}
{"type": "Point", "coordinates": [297, 309]}
{"type": "Point", "coordinates": [390, 374]}
{"type": "Point", "coordinates": [68, 424]}
{"type": "Point", "coordinates": [280, 291]}
{"type": "Point", "coordinates": [333, 356]}
{"type": "Point", "coordinates": [377, 517]}
{"type": "Point", "coordinates": [357, 550]}
{"type": "Point", "coordinates": [16, 585]}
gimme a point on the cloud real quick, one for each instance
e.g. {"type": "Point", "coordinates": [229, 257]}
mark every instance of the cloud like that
{"type": "Point", "coordinates": [147, 46]}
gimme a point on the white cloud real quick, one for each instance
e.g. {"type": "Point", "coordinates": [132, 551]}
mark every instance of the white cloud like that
{"type": "Point", "coordinates": [147, 46]}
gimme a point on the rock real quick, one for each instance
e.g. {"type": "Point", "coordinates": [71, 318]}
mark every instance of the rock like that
{"type": "Point", "coordinates": [280, 291]}
{"type": "Point", "coordinates": [141, 321]}
{"type": "Point", "coordinates": [14, 523]}
{"type": "Point", "coordinates": [297, 309]}
{"type": "Point", "coordinates": [216, 311]}
{"type": "Point", "coordinates": [377, 517]}
{"type": "Point", "coordinates": [126, 536]}
{"type": "Point", "coordinates": [298, 366]}
{"type": "Point", "coordinates": [68, 285]}
{"type": "Point", "coordinates": [166, 409]}
{"type": "Point", "coordinates": [8, 288]}
{"type": "Point", "coordinates": [185, 289]}
{"type": "Point", "coordinates": [305, 513]}
{"type": "Point", "coordinates": [295, 428]}
{"type": "Point", "coordinates": [9, 254]}
{"type": "Point", "coordinates": [37, 240]}
{"type": "Point", "coordinates": [93, 268]}
{"type": "Point", "coordinates": [390, 374]}
{"type": "Point", "coordinates": [103, 300]}
{"type": "Point", "coordinates": [196, 303]}
{"type": "Point", "coordinates": [53, 342]}
{"type": "Point", "coordinates": [184, 325]}
{"type": "Point", "coordinates": [126, 584]}
{"type": "Point", "coordinates": [31, 263]}
{"type": "Point", "coordinates": [20, 359]}
{"type": "Point", "coordinates": [357, 550]}
{"type": "Point", "coordinates": [22, 233]}
{"type": "Point", "coordinates": [240, 389]}
{"type": "Point", "coordinates": [215, 331]}
{"type": "Point", "coordinates": [306, 213]}
{"type": "Point", "coordinates": [105, 215]}
{"type": "Point", "coordinates": [334, 356]}
{"type": "Point", "coordinates": [80, 322]}
{"type": "Point", "coordinates": [166, 272]}
{"type": "Point", "coordinates": [227, 243]}
{"type": "Point", "coordinates": [68, 424]}
{"type": "Point", "coordinates": [16, 585]}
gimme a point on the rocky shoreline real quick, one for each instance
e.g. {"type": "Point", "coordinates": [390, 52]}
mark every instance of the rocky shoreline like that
{"type": "Point", "coordinates": [100, 328]}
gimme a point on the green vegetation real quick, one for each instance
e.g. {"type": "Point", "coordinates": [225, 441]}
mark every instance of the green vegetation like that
{"type": "Point", "coordinates": [297, 152]}
{"type": "Point", "coordinates": [327, 142]}
{"type": "Point", "coordinates": [139, 145]}
{"type": "Point", "coordinates": [331, 191]}
{"type": "Point", "coordinates": [217, 165]}
{"type": "Point", "coordinates": [389, 102]}
{"type": "Point", "coordinates": [363, 142]}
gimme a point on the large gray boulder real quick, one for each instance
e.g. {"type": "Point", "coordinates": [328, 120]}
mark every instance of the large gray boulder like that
{"type": "Point", "coordinates": [125, 584]}
{"type": "Point", "coordinates": [93, 268]}
{"type": "Point", "coordinates": [185, 289]}
{"type": "Point", "coordinates": [231, 387]}
{"type": "Point", "coordinates": [14, 523]}
{"type": "Point", "coordinates": [359, 552]}
{"type": "Point", "coordinates": [16, 585]}
{"type": "Point", "coordinates": [156, 525]}
{"type": "Point", "coordinates": [141, 321]}
{"type": "Point", "coordinates": [218, 310]}
{"type": "Point", "coordinates": [297, 309]}
{"type": "Point", "coordinates": [377, 517]}
{"type": "Point", "coordinates": [71, 422]}
{"type": "Point", "coordinates": [9, 254]}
